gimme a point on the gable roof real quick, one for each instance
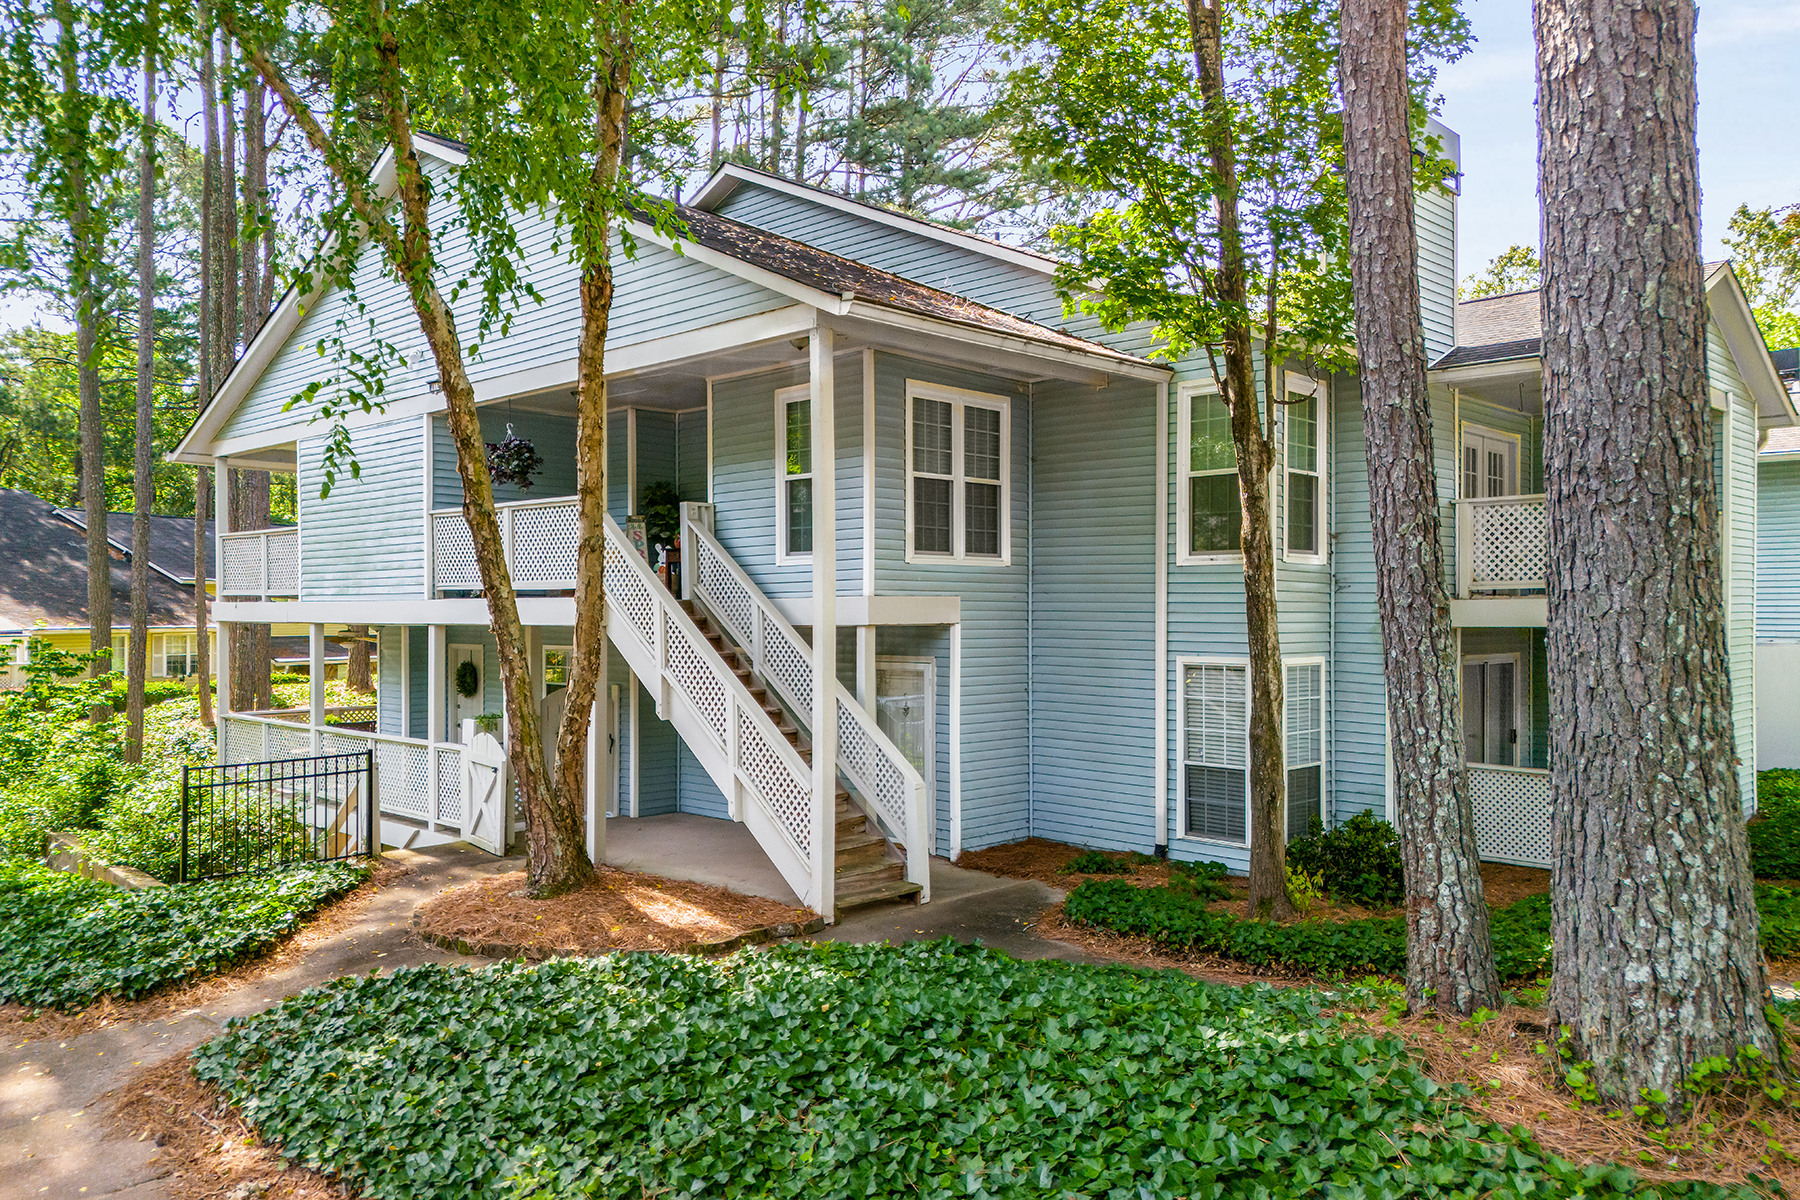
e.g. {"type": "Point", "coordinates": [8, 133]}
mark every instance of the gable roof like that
{"type": "Point", "coordinates": [1510, 328]}
{"type": "Point", "coordinates": [171, 542]}
{"type": "Point", "coordinates": [45, 581]}
{"type": "Point", "coordinates": [729, 176]}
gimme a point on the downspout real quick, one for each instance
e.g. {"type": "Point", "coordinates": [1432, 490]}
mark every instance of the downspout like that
{"type": "Point", "coordinates": [1030, 610]}
{"type": "Point", "coordinates": [1161, 637]}
{"type": "Point", "coordinates": [1331, 504]}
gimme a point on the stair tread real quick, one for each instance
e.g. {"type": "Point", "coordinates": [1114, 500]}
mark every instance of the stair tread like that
{"type": "Point", "coordinates": [876, 868]}
{"type": "Point", "coordinates": [894, 889]}
{"type": "Point", "coordinates": [857, 841]}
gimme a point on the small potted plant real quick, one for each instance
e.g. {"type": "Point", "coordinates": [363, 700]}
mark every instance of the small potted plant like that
{"type": "Point", "coordinates": [513, 460]}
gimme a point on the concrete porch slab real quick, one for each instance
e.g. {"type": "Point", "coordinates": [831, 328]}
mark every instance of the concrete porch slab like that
{"type": "Point", "coordinates": [701, 849]}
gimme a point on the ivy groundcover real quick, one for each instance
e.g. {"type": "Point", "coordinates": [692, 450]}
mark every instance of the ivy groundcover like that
{"type": "Point", "coordinates": [819, 1070]}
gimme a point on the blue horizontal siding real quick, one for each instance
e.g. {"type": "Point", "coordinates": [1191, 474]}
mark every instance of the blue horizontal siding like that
{"type": "Point", "coordinates": [366, 539]}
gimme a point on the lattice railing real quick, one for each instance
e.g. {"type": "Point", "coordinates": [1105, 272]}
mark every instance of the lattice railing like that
{"type": "Point", "coordinates": [876, 769]}
{"type": "Point", "coordinates": [1512, 814]}
{"type": "Point", "coordinates": [653, 632]}
{"type": "Point", "coordinates": [416, 779]}
{"type": "Point", "coordinates": [261, 563]}
{"type": "Point", "coordinates": [540, 538]}
{"type": "Point", "coordinates": [1500, 544]}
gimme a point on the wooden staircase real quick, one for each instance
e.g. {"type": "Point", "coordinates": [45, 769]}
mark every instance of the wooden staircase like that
{"type": "Point", "coordinates": [869, 871]}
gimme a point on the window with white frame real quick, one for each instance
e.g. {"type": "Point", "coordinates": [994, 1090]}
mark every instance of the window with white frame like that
{"type": "Point", "coordinates": [1212, 516]}
{"type": "Point", "coordinates": [957, 452]}
{"type": "Point", "coordinates": [172, 654]}
{"type": "Point", "coordinates": [1215, 751]}
{"type": "Point", "coordinates": [1304, 459]}
{"type": "Point", "coordinates": [118, 653]}
{"type": "Point", "coordinates": [556, 667]}
{"type": "Point", "coordinates": [1305, 694]}
{"type": "Point", "coordinates": [794, 519]}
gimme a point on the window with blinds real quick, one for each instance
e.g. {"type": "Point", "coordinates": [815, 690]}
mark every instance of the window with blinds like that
{"type": "Point", "coordinates": [956, 474]}
{"type": "Point", "coordinates": [1305, 746]}
{"type": "Point", "coordinates": [1215, 751]}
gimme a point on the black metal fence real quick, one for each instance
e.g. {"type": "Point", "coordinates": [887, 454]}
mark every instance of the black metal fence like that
{"type": "Point", "coordinates": [256, 816]}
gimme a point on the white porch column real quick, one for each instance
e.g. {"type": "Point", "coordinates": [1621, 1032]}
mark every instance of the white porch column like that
{"type": "Point", "coordinates": [222, 700]}
{"type": "Point", "coordinates": [824, 632]}
{"type": "Point", "coordinates": [865, 667]}
{"type": "Point", "coordinates": [435, 654]}
{"type": "Point", "coordinates": [315, 690]}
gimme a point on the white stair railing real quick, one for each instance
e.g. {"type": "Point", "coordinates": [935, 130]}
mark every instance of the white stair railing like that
{"type": "Point", "coordinates": [877, 770]}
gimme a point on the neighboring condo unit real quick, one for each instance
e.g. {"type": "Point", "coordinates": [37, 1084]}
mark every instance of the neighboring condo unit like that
{"type": "Point", "coordinates": [1037, 600]}
{"type": "Point", "coordinates": [1778, 587]}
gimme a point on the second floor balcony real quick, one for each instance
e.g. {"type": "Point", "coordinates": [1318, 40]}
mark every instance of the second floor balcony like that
{"type": "Point", "coordinates": [1500, 543]}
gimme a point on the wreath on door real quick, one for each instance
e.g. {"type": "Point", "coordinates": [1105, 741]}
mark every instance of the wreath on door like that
{"type": "Point", "coordinates": [468, 678]}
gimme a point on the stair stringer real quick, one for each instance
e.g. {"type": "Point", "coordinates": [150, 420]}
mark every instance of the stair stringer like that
{"type": "Point", "coordinates": [673, 706]}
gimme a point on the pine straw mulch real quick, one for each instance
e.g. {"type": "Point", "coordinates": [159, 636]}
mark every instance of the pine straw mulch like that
{"type": "Point", "coordinates": [616, 910]}
{"type": "Point", "coordinates": [212, 1153]}
{"type": "Point", "coordinates": [20, 1024]}
{"type": "Point", "coordinates": [1505, 1066]}
{"type": "Point", "coordinates": [1046, 861]}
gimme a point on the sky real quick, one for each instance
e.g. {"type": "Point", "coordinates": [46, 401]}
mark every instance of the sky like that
{"type": "Point", "coordinates": [1749, 112]}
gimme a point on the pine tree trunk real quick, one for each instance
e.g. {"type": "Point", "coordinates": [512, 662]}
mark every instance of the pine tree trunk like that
{"type": "Point", "coordinates": [1449, 954]}
{"type": "Point", "coordinates": [1657, 961]}
{"type": "Point", "coordinates": [202, 650]}
{"type": "Point", "coordinates": [1255, 459]}
{"type": "Point", "coordinates": [143, 491]}
{"type": "Point", "coordinates": [251, 687]}
{"type": "Point", "coordinates": [360, 678]}
{"type": "Point", "coordinates": [208, 323]}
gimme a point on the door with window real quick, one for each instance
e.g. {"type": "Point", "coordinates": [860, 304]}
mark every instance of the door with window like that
{"type": "Point", "coordinates": [905, 709]}
{"type": "Point", "coordinates": [1490, 464]}
{"type": "Point", "coordinates": [1491, 710]}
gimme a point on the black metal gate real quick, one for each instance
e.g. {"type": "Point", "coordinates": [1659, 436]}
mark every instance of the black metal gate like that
{"type": "Point", "coordinates": [256, 816]}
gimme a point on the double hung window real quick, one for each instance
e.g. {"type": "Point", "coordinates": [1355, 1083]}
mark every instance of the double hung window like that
{"type": "Point", "coordinates": [957, 479]}
{"type": "Point", "coordinates": [1305, 463]}
{"type": "Point", "coordinates": [793, 410]}
{"type": "Point", "coordinates": [1214, 513]}
{"type": "Point", "coordinates": [1215, 751]}
{"type": "Point", "coordinates": [1305, 746]}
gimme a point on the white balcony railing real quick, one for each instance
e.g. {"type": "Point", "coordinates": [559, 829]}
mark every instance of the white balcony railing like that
{"type": "Point", "coordinates": [1512, 814]}
{"type": "Point", "coordinates": [1500, 544]}
{"type": "Point", "coordinates": [264, 563]}
{"type": "Point", "coordinates": [540, 538]}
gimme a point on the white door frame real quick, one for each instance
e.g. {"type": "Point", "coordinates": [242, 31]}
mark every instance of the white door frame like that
{"type": "Point", "coordinates": [929, 663]}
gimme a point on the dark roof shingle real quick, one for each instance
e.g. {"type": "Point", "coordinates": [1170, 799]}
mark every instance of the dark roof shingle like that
{"type": "Point", "coordinates": [45, 579]}
{"type": "Point", "coordinates": [1496, 329]}
{"type": "Point", "coordinates": [171, 540]}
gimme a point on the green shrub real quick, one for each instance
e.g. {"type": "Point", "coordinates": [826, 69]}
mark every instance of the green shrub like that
{"type": "Point", "coordinates": [1359, 860]}
{"type": "Point", "coordinates": [1203, 880]}
{"type": "Point", "coordinates": [155, 692]}
{"type": "Point", "coordinates": [1521, 931]}
{"type": "Point", "coordinates": [66, 940]}
{"type": "Point", "coordinates": [824, 1069]}
{"type": "Point", "coordinates": [281, 678]}
{"type": "Point", "coordinates": [1775, 830]}
{"type": "Point", "coordinates": [1097, 862]}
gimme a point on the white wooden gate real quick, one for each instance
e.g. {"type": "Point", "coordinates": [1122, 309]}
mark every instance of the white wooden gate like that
{"type": "Point", "coordinates": [484, 800]}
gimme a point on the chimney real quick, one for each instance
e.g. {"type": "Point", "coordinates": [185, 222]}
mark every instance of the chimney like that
{"type": "Point", "coordinates": [1435, 219]}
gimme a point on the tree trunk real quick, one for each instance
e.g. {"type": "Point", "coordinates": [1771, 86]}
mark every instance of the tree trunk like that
{"type": "Point", "coordinates": [202, 650]}
{"type": "Point", "coordinates": [250, 686]}
{"type": "Point", "coordinates": [1449, 955]}
{"type": "Point", "coordinates": [256, 154]}
{"type": "Point", "coordinates": [143, 490]}
{"type": "Point", "coordinates": [209, 292]}
{"type": "Point", "coordinates": [1655, 924]}
{"type": "Point", "coordinates": [360, 678]}
{"type": "Point", "coordinates": [84, 257]}
{"type": "Point", "coordinates": [1255, 458]}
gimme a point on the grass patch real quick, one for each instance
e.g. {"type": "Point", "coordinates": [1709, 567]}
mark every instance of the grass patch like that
{"type": "Point", "coordinates": [1178, 920]}
{"type": "Point", "coordinates": [65, 941]}
{"type": "Point", "coordinates": [834, 1070]}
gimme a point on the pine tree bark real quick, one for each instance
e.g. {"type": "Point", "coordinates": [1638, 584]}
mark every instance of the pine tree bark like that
{"type": "Point", "coordinates": [360, 678]}
{"type": "Point", "coordinates": [208, 326]}
{"type": "Point", "coordinates": [1657, 962]}
{"type": "Point", "coordinates": [1449, 953]}
{"type": "Point", "coordinates": [84, 258]}
{"type": "Point", "coordinates": [143, 491]}
{"type": "Point", "coordinates": [202, 647]}
{"type": "Point", "coordinates": [1255, 459]}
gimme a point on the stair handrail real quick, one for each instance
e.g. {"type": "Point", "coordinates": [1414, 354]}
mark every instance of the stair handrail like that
{"type": "Point", "coordinates": [876, 768]}
{"type": "Point", "coordinates": [668, 614]}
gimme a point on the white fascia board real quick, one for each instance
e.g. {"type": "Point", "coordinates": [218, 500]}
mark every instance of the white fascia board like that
{"type": "Point", "coordinates": [878, 610]}
{"type": "Point", "coordinates": [1727, 304]}
{"type": "Point", "coordinates": [284, 320]}
{"type": "Point", "coordinates": [533, 610]}
{"type": "Point", "coordinates": [1109, 362]}
{"type": "Point", "coordinates": [729, 175]}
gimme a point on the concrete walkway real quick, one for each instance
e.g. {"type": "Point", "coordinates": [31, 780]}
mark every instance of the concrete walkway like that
{"type": "Point", "coordinates": [702, 849]}
{"type": "Point", "coordinates": [52, 1134]}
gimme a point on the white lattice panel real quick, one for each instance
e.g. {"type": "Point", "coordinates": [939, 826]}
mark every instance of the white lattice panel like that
{"type": "Point", "coordinates": [242, 566]}
{"type": "Point", "coordinates": [629, 594]}
{"type": "Point", "coordinates": [1512, 815]}
{"type": "Point", "coordinates": [453, 554]}
{"type": "Point", "coordinates": [543, 546]}
{"type": "Point", "coordinates": [284, 562]}
{"type": "Point", "coordinates": [1507, 543]}
{"type": "Point", "coordinates": [878, 780]}
{"type": "Point", "coordinates": [449, 788]}
{"type": "Point", "coordinates": [343, 743]}
{"type": "Point", "coordinates": [787, 795]}
{"type": "Point", "coordinates": [787, 661]}
{"type": "Point", "coordinates": [696, 676]}
{"type": "Point", "coordinates": [243, 741]}
{"type": "Point", "coordinates": [289, 741]}
{"type": "Point", "coordinates": [725, 595]}
{"type": "Point", "coordinates": [402, 779]}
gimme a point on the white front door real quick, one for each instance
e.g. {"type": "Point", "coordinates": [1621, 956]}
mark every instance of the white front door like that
{"type": "Point", "coordinates": [1491, 697]}
{"type": "Point", "coordinates": [1490, 463]}
{"type": "Point", "coordinates": [905, 709]}
{"type": "Point", "coordinates": [465, 707]}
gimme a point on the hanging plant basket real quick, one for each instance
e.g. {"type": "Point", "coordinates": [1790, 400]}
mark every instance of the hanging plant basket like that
{"type": "Point", "coordinates": [513, 460]}
{"type": "Point", "coordinates": [468, 678]}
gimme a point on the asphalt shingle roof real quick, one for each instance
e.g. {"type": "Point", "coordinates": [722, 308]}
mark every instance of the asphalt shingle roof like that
{"type": "Point", "coordinates": [1496, 329]}
{"type": "Point", "coordinates": [44, 580]}
{"type": "Point", "coordinates": [171, 540]}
